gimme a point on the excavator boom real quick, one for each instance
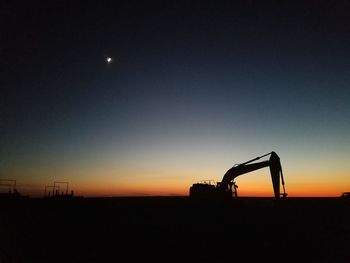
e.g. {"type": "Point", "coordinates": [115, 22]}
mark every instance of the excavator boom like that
{"type": "Point", "coordinates": [235, 171]}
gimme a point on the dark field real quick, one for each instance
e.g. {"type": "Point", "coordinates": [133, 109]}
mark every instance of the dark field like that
{"type": "Point", "coordinates": [174, 229]}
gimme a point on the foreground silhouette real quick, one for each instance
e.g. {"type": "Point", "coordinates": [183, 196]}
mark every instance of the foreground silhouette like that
{"type": "Point", "coordinates": [175, 229]}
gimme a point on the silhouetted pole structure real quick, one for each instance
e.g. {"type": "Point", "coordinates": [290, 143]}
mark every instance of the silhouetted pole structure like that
{"type": "Point", "coordinates": [12, 184]}
{"type": "Point", "coordinates": [66, 183]}
{"type": "Point", "coordinates": [53, 189]}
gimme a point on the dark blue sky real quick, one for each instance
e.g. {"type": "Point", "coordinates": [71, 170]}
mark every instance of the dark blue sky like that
{"type": "Point", "coordinates": [188, 78]}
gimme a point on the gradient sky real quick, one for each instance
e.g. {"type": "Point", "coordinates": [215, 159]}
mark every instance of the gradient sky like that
{"type": "Point", "coordinates": [194, 87]}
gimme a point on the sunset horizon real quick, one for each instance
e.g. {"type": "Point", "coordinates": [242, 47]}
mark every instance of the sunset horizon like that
{"type": "Point", "coordinates": [136, 98]}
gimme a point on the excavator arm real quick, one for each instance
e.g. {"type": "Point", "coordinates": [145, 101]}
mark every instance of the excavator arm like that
{"type": "Point", "coordinates": [275, 170]}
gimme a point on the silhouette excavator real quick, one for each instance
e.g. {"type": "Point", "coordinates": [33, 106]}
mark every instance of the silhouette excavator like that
{"type": "Point", "coordinates": [227, 188]}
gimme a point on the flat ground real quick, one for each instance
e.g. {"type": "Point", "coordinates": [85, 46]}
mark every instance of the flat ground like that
{"type": "Point", "coordinates": [174, 229]}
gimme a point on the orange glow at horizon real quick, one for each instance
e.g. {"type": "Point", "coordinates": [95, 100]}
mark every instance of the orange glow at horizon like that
{"type": "Point", "coordinates": [109, 180]}
{"type": "Point", "coordinates": [183, 190]}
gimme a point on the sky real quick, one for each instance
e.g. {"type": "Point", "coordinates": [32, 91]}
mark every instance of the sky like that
{"type": "Point", "coordinates": [194, 87]}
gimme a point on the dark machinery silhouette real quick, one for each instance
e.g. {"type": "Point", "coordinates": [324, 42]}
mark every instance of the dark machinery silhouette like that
{"type": "Point", "coordinates": [345, 195]}
{"type": "Point", "coordinates": [227, 188]}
